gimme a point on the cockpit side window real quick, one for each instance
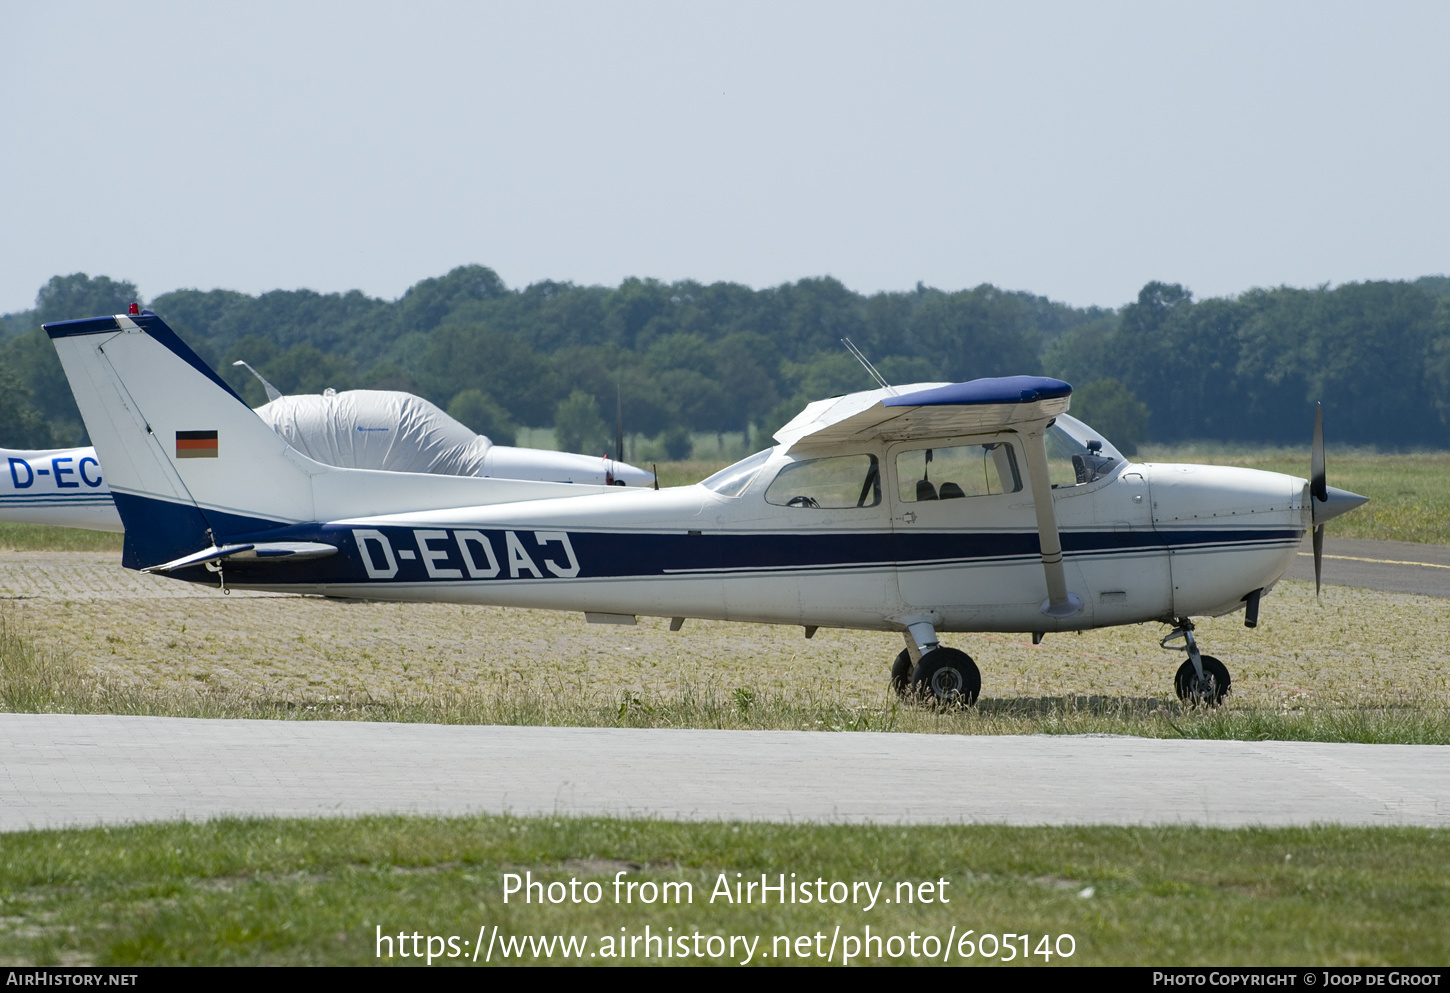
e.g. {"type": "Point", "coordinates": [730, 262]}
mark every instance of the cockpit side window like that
{"type": "Point", "coordinates": [964, 471]}
{"type": "Point", "coordinates": [829, 484]}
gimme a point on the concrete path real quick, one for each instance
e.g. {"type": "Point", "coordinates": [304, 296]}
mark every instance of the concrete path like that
{"type": "Point", "coordinates": [1393, 566]}
{"type": "Point", "coordinates": [60, 770]}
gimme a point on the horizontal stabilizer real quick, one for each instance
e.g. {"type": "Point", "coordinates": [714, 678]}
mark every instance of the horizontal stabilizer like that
{"type": "Point", "coordinates": [294, 551]}
{"type": "Point", "coordinates": [202, 557]}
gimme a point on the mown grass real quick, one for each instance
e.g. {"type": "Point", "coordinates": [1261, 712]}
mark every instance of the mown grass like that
{"type": "Point", "coordinates": [44, 538]}
{"type": "Point", "coordinates": [316, 892]}
{"type": "Point", "coordinates": [38, 680]}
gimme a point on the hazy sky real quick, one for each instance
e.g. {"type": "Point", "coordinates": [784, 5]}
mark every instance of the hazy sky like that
{"type": "Point", "coordinates": [1076, 150]}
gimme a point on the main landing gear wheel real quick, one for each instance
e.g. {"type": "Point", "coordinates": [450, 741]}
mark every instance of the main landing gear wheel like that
{"type": "Point", "coordinates": [1215, 686]}
{"type": "Point", "coordinates": [901, 673]}
{"type": "Point", "coordinates": [947, 677]}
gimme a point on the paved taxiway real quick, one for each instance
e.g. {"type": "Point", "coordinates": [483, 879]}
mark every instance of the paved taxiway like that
{"type": "Point", "coordinates": [1392, 566]}
{"type": "Point", "coordinates": [63, 770]}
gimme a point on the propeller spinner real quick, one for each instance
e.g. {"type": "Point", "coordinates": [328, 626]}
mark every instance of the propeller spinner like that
{"type": "Point", "coordinates": [1328, 502]}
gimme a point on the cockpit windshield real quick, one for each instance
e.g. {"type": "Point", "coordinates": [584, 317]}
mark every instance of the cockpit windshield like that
{"type": "Point", "coordinates": [1076, 456]}
{"type": "Point", "coordinates": [732, 480]}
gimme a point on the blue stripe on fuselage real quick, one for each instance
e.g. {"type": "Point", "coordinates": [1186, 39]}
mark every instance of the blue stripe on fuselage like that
{"type": "Point", "coordinates": [390, 554]}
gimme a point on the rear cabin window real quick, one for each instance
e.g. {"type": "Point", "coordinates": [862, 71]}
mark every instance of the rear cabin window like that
{"type": "Point", "coordinates": [830, 484]}
{"type": "Point", "coordinates": [952, 473]}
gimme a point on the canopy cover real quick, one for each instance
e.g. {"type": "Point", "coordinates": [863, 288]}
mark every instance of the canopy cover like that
{"type": "Point", "coordinates": [377, 429]}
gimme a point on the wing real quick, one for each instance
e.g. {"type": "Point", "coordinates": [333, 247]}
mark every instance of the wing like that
{"type": "Point", "coordinates": [929, 411]}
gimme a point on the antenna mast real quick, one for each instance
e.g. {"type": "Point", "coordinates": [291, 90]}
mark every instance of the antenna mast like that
{"type": "Point", "coordinates": [851, 347]}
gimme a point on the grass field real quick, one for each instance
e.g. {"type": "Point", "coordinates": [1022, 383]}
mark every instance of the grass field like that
{"type": "Point", "coordinates": [317, 892]}
{"type": "Point", "coordinates": [41, 538]}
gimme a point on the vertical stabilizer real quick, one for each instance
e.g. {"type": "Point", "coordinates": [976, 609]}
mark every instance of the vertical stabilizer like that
{"type": "Point", "coordinates": [184, 454]}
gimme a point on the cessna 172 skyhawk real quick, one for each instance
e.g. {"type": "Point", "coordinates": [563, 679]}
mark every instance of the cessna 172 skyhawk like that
{"type": "Point", "coordinates": [921, 509]}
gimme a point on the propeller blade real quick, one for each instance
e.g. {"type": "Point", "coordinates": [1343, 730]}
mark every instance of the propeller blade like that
{"type": "Point", "coordinates": [1317, 482]}
{"type": "Point", "coordinates": [1318, 490]}
{"type": "Point", "coordinates": [1326, 502]}
{"type": "Point", "coordinates": [1318, 555]}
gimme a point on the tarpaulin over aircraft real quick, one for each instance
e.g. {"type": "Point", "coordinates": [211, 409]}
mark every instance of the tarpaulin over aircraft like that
{"type": "Point", "coordinates": [377, 429]}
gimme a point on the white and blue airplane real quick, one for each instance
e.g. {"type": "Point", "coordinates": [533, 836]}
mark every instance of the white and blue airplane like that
{"type": "Point", "coordinates": [361, 429]}
{"type": "Point", "coordinates": [922, 509]}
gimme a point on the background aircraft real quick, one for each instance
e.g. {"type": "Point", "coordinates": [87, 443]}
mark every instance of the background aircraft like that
{"type": "Point", "coordinates": [921, 509]}
{"type": "Point", "coordinates": [358, 429]}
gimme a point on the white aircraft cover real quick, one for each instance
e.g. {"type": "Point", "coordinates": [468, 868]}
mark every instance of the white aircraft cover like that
{"type": "Point", "coordinates": [377, 429]}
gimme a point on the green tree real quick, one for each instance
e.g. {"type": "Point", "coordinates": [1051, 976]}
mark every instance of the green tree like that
{"type": "Point", "coordinates": [474, 356]}
{"type": "Point", "coordinates": [307, 369]}
{"type": "Point", "coordinates": [32, 360]}
{"type": "Point", "coordinates": [427, 303]}
{"type": "Point", "coordinates": [21, 424]}
{"type": "Point", "coordinates": [1111, 408]}
{"type": "Point", "coordinates": [479, 412]}
{"type": "Point", "coordinates": [578, 426]}
{"type": "Point", "coordinates": [677, 442]}
{"type": "Point", "coordinates": [69, 298]}
{"type": "Point", "coordinates": [1083, 354]}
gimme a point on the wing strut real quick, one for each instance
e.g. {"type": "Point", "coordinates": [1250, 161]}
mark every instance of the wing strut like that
{"type": "Point", "coordinates": [1059, 603]}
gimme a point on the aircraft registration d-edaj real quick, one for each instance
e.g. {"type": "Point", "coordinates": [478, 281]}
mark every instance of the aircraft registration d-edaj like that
{"type": "Point", "coordinates": [923, 509]}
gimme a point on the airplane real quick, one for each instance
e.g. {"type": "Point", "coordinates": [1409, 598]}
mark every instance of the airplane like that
{"type": "Point", "coordinates": [924, 509]}
{"type": "Point", "coordinates": [361, 429]}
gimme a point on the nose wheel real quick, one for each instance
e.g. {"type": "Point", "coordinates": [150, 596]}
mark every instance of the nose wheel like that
{"type": "Point", "coordinates": [1208, 689]}
{"type": "Point", "coordinates": [1202, 679]}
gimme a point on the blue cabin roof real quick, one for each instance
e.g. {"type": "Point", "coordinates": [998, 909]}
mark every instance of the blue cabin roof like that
{"type": "Point", "coordinates": [1003, 389]}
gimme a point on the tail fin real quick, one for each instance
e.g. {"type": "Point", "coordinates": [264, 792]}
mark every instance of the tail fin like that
{"type": "Point", "coordinates": [187, 459]}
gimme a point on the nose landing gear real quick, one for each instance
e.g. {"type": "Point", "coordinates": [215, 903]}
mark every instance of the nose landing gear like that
{"type": "Point", "coordinates": [1202, 679]}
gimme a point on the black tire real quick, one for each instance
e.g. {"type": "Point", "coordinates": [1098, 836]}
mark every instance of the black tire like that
{"type": "Point", "coordinates": [1220, 682]}
{"type": "Point", "coordinates": [901, 673]}
{"type": "Point", "coordinates": [947, 678]}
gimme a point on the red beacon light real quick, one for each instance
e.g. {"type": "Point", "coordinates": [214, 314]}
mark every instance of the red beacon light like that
{"type": "Point", "coordinates": [135, 309]}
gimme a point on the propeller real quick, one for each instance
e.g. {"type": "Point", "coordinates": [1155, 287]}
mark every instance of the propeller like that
{"type": "Point", "coordinates": [1327, 502]}
{"type": "Point", "coordinates": [1318, 489]}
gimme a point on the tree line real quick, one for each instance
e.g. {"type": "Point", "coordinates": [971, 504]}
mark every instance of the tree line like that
{"type": "Point", "coordinates": [685, 357]}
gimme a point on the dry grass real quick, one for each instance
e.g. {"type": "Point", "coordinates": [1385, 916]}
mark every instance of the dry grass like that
{"type": "Point", "coordinates": [1354, 664]}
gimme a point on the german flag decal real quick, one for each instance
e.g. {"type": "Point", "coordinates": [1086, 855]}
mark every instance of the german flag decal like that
{"type": "Point", "coordinates": [196, 444]}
